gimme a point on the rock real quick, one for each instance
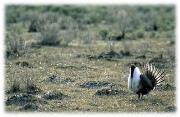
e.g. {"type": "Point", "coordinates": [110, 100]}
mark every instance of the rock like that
{"type": "Point", "coordinates": [57, 79]}
{"type": "Point", "coordinates": [30, 106]}
{"type": "Point", "coordinates": [33, 89]}
{"type": "Point", "coordinates": [21, 99]}
{"type": "Point", "coordinates": [24, 64]}
{"type": "Point", "coordinates": [96, 84]}
{"type": "Point", "coordinates": [110, 55]}
{"type": "Point", "coordinates": [54, 95]}
{"type": "Point", "coordinates": [170, 109]}
{"type": "Point", "coordinates": [109, 92]}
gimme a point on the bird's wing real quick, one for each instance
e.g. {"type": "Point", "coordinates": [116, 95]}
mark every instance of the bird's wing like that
{"type": "Point", "coordinates": [154, 75]}
{"type": "Point", "coordinates": [146, 82]}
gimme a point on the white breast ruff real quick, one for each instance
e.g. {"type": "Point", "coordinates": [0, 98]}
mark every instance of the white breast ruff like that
{"type": "Point", "coordinates": [133, 83]}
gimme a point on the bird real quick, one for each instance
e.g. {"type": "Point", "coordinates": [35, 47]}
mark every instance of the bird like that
{"type": "Point", "coordinates": [143, 83]}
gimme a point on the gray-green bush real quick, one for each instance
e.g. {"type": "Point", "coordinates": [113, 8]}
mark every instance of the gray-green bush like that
{"type": "Point", "coordinates": [50, 34]}
{"type": "Point", "coordinates": [15, 45]}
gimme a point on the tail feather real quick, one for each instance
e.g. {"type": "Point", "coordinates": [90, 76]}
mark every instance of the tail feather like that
{"type": "Point", "coordinates": [155, 75]}
{"type": "Point", "coordinates": [161, 73]}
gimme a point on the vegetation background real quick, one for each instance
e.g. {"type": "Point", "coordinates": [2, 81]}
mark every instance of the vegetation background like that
{"type": "Point", "coordinates": [76, 58]}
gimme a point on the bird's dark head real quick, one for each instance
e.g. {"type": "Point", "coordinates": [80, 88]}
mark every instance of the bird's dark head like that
{"type": "Point", "coordinates": [132, 69]}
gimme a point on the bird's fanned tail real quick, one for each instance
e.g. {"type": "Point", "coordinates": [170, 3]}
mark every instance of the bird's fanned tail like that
{"type": "Point", "coordinates": [154, 74]}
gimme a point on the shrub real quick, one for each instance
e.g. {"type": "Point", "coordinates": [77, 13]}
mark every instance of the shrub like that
{"type": "Point", "coordinates": [67, 37]}
{"type": "Point", "coordinates": [154, 34]}
{"type": "Point", "coordinates": [140, 34]}
{"type": "Point", "coordinates": [66, 22]}
{"type": "Point", "coordinates": [33, 26]}
{"type": "Point", "coordinates": [15, 44]}
{"type": "Point", "coordinates": [50, 34]}
{"type": "Point", "coordinates": [36, 22]}
{"type": "Point", "coordinates": [104, 34]}
{"type": "Point", "coordinates": [12, 14]}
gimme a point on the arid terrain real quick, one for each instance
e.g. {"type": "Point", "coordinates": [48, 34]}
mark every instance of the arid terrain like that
{"type": "Point", "coordinates": [64, 58]}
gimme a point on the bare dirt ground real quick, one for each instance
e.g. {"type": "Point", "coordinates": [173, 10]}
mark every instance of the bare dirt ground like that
{"type": "Point", "coordinates": [66, 69]}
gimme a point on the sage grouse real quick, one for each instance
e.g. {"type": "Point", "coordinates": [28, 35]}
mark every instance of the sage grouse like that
{"type": "Point", "coordinates": [142, 84]}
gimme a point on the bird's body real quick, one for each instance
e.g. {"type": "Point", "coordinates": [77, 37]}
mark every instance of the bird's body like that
{"type": "Point", "coordinates": [142, 84]}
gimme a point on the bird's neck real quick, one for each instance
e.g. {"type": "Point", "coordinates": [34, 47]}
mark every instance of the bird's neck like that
{"type": "Point", "coordinates": [136, 73]}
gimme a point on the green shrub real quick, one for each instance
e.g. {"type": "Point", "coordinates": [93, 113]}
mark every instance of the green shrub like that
{"type": "Point", "coordinates": [140, 34]}
{"type": "Point", "coordinates": [50, 34]}
{"type": "Point", "coordinates": [12, 14]}
{"type": "Point", "coordinates": [37, 21]}
{"type": "Point", "coordinates": [66, 23]}
{"type": "Point", "coordinates": [154, 34]}
{"type": "Point", "coordinates": [33, 26]}
{"type": "Point", "coordinates": [67, 37]}
{"type": "Point", "coordinates": [103, 34]}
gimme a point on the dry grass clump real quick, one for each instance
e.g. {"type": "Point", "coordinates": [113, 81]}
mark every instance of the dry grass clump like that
{"type": "Point", "coordinates": [15, 45]}
{"type": "Point", "coordinates": [18, 84]}
{"type": "Point", "coordinates": [15, 88]}
{"type": "Point", "coordinates": [31, 87]}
